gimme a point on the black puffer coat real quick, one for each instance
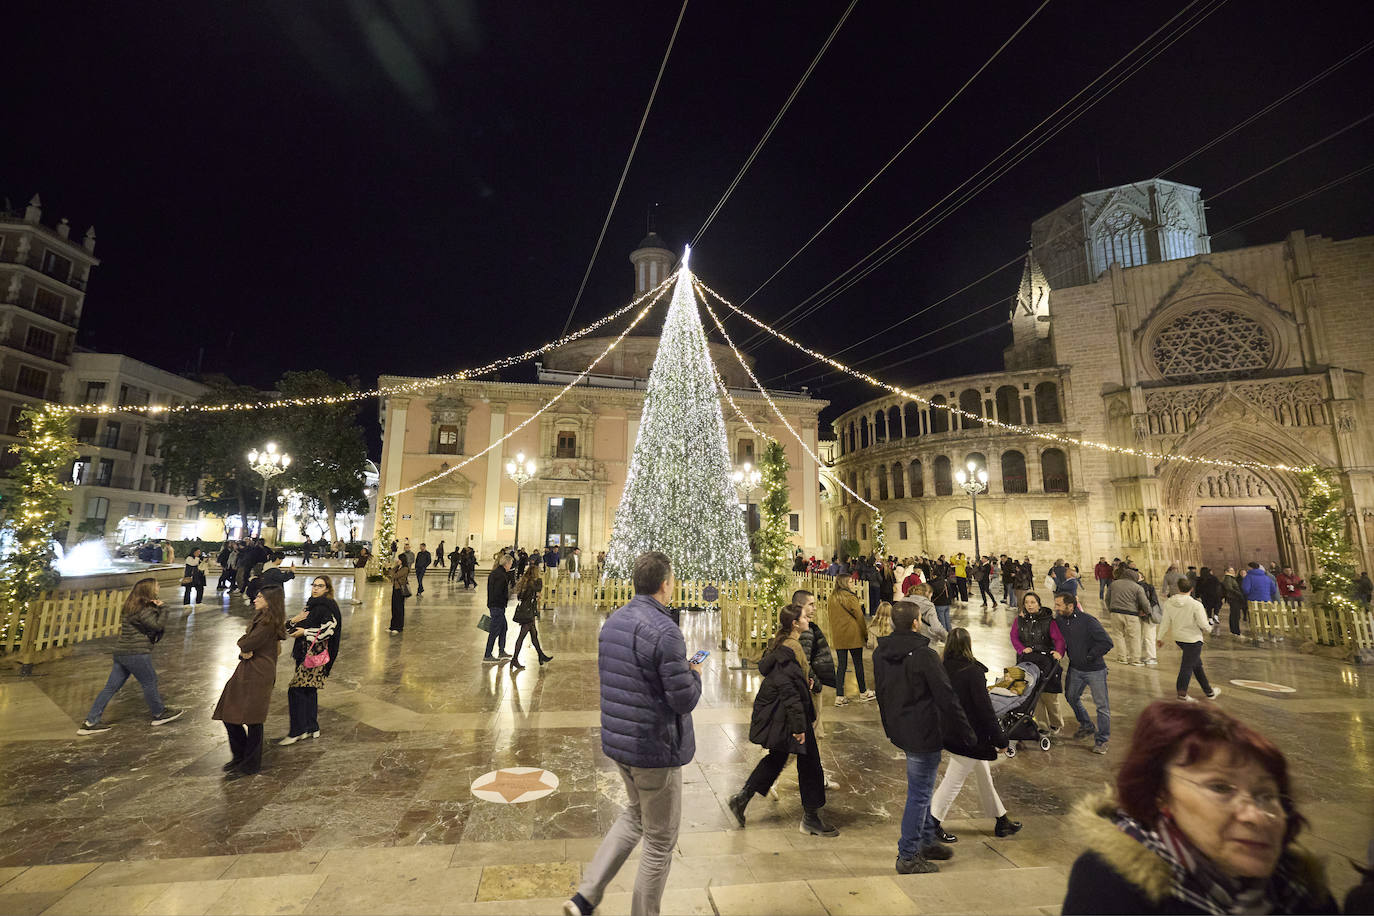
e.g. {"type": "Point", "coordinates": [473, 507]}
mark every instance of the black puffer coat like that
{"type": "Point", "coordinates": [969, 680]}
{"type": "Point", "coordinates": [819, 656]}
{"type": "Point", "coordinates": [783, 706]}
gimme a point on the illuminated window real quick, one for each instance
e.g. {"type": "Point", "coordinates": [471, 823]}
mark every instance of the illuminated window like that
{"type": "Point", "coordinates": [447, 443]}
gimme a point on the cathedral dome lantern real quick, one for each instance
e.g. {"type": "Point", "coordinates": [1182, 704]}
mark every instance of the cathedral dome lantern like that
{"type": "Point", "coordinates": [653, 262]}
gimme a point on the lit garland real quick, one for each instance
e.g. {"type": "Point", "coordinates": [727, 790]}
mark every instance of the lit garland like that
{"type": "Point", "coordinates": [988, 421]}
{"type": "Point", "coordinates": [47, 450]}
{"type": "Point", "coordinates": [410, 387]}
{"type": "Point", "coordinates": [1322, 501]}
{"type": "Point", "coordinates": [776, 410]}
{"type": "Point", "coordinates": [386, 530]}
{"type": "Point", "coordinates": [552, 401]}
{"type": "Point", "coordinates": [773, 539]}
{"type": "Point", "coordinates": [679, 495]}
{"type": "Point", "coordinates": [879, 537]}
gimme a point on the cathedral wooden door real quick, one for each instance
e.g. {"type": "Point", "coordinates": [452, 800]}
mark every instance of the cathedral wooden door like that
{"type": "Point", "coordinates": [1237, 535]}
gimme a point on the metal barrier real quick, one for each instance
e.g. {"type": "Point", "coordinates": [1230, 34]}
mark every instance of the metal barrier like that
{"type": "Point", "coordinates": [55, 621]}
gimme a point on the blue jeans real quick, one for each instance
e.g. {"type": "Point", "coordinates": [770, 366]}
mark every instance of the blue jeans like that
{"type": "Point", "coordinates": [141, 667]}
{"type": "Point", "coordinates": [498, 628]}
{"type": "Point", "coordinates": [943, 614]}
{"type": "Point", "coordinates": [1096, 681]}
{"type": "Point", "coordinates": [917, 830]}
{"type": "Point", "coordinates": [1101, 589]}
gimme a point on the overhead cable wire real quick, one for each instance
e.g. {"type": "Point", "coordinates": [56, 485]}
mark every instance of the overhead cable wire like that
{"type": "Point", "coordinates": [895, 156]}
{"type": "Point", "coordinates": [882, 257]}
{"type": "Point", "coordinates": [771, 127]}
{"type": "Point", "coordinates": [615, 198]}
{"type": "Point", "coordinates": [1305, 149]}
{"type": "Point", "coordinates": [1349, 176]}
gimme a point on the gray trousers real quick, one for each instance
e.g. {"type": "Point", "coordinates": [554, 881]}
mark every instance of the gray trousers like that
{"type": "Point", "coordinates": [653, 814]}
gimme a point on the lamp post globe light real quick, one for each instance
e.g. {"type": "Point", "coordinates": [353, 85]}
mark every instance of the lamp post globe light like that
{"type": "Point", "coordinates": [267, 462]}
{"type": "Point", "coordinates": [973, 481]}
{"type": "Point", "coordinates": [747, 478]}
{"type": "Point", "coordinates": [521, 471]}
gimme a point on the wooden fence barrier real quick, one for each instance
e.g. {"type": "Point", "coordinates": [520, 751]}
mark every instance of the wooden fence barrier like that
{"type": "Point", "coordinates": [55, 621]}
{"type": "Point", "coordinates": [1278, 621]}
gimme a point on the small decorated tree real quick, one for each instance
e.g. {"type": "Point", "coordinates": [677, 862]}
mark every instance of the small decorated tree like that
{"type": "Point", "coordinates": [386, 533]}
{"type": "Point", "coordinates": [1323, 508]}
{"type": "Point", "coordinates": [44, 455]}
{"type": "Point", "coordinates": [773, 539]}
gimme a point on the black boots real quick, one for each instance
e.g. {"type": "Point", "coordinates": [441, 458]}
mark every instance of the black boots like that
{"type": "Point", "coordinates": [1006, 826]}
{"type": "Point", "coordinates": [942, 835]}
{"type": "Point", "coordinates": [545, 659]}
{"type": "Point", "coordinates": [737, 804]}
{"type": "Point", "coordinates": [812, 824]}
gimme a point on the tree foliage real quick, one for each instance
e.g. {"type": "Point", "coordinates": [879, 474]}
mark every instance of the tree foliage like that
{"type": "Point", "coordinates": [326, 444]}
{"type": "Point", "coordinates": [773, 539]}
{"type": "Point", "coordinates": [212, 447]}
{"type": "Point", "coordinates": [41, 480]}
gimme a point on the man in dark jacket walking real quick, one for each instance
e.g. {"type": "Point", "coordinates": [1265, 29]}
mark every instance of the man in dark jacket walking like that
{"type": "Point", "coordinates": [1086, 645]}
{"type": "Point", "coordinates": [498, 596]}
{"type": "Point", "coordinates": [648, 692]}
{"type": "Point", "coordinates": [422, 561]}
{"type": "Point", "coordinates": [914, 699]}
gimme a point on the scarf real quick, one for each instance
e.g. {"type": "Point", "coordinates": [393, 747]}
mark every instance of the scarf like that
{"type": "Point", "coordinates": [1199, 883]}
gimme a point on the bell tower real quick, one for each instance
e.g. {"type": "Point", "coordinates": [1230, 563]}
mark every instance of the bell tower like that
{"type": "Point", "coordinates": [653, 263]}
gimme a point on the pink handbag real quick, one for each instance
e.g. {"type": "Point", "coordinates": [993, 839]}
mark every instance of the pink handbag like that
{"type": "Point", "coordinates": [315, 657]}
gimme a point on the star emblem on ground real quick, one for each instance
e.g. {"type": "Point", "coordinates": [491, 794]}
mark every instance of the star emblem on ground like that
{"type": "Point", "coordinates": [512, 784]}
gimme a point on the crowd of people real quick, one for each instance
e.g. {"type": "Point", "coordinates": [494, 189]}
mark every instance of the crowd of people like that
{"type": "Point", "coordinates": [1201, 817]}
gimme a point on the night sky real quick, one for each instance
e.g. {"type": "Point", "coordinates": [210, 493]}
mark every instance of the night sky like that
{"type": "Point", "coordinates": [416, 187]}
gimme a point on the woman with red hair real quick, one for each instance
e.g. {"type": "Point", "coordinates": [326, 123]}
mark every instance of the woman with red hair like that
{"type": "Point", "coordinates": [1203, 822]}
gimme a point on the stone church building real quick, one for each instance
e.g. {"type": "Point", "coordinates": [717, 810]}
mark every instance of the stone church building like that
{"type": "Point", "coordinates": [1128, 330]}
{"type": "Point", "coordinates": [582, 446]}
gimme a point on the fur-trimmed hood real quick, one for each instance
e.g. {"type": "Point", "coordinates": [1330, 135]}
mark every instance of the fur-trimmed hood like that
{"type": "Point", "coordinates": [1091, 820]}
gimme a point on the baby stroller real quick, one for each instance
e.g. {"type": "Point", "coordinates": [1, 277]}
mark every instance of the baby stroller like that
{"type": "Point", "coordinates": [1016, 714]}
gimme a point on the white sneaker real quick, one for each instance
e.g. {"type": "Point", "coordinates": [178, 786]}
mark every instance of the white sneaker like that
{"type": "Point", "coordinates": [868, 695]}
{"type": "Point", "coordinates": [1138, 663]}
{"type": "Point", "coordinates": [292, 739]}
{"type": "Point", "coordinates": [1151, 662]}
{"type": "Point", "coordinates": [841, 701]}
{"type": "Point", "coordinates": [1216, 692]}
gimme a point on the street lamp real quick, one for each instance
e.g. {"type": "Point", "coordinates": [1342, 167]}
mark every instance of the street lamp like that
{"type": "Point", "coordinates": [522, 472]}
{"type": "Point", "coordinates": [747, 478]}
{"type": "Point", "coordinates": [973, 482]}
{"type": "Point", "coordinates": [268, 463]}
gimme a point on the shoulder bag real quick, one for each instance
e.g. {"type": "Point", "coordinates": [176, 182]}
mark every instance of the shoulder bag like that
{"type": "Point", "coordinates": [316, 655]}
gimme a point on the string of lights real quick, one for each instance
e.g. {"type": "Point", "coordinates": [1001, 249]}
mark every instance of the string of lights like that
{"type": "Point", "coordinates": [699, 286]}
{"type": "Point", "coordinates": [410, 387]}
{"type": "Point", "coordinates": [1042, 136]}
{"type": "Point", "coordinates": [989, 421]}
{"type": "Point", "coordinates": [552, 401]}
{"type": "Point", "coordinates": [720, 383]}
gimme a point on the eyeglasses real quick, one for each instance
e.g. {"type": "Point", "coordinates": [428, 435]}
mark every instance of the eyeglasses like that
{"type": "Point", "coordinates": [1271, 804]}
{"type": "Point", "coordinates": [318, 585]}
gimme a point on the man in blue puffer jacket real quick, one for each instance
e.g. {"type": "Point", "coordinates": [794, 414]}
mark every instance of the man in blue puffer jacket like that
{"type": "Point", "coordinates": [1257, 585]}
{"type": "Point", "coordinates": [648, 692]}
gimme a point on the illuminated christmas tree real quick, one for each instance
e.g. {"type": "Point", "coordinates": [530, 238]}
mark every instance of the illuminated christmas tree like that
{"type": "Point", "coordinates": [679, 497]}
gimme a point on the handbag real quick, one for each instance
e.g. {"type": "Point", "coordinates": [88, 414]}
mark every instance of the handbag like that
{"type": "Point", "coordinates": [485, 623]}
{"type": "Point", "coordinates": [185, 580]}
{"type": "Point", "coordinates": [314, 658]}
{"type": "Point", "coordinates": [405, 590]}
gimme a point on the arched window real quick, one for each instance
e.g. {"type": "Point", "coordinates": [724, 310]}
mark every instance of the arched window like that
{"type": "Point", "coordinates": [880, 430]}
{"type": "Point", "coordinates": [894, 422]}
{"type": "Point", "coordinates": [979, 460]}
{"type": "Point", "coordinates": [913, 419]}
{"type": "Point", "coordinates": [918, 480]}
{"type": "Point", "coordinates": [1013, 472]}
{"type": "Point", "coordinates": [1047, 403]}
{"type": "Point", "coordinates": [1008, 404]}
{"type": "Point", "coordinates": [882, 481]}
{"type": "Point", "coordinates": [852, 445]}
{"type": "Point", "coordinates": [863, 433]}
{"type": "Point", "coordinates": [1054, 469]}
{"type": "Point", "coordinates": [898, 485]}
{"type": "Point", "coordinates": [939, 417]}
{"type": "Point", "coordinates": [970, 401]}
{"type": "Point", "coordinates": [944, 485]}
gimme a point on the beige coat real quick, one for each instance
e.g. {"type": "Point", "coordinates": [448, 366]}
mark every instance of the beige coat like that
{"type": "Point", "coordinates": [248, 693]}
{"type": "Point", "coordinates": [848, 628]}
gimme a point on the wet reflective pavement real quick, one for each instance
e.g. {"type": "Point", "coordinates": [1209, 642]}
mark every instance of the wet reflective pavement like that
{"type": "Point", "coordinates": [378, 815]}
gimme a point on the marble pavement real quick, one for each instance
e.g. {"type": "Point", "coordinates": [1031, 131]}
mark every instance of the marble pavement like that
{"type": "Point", "coordinates": [378, 815]}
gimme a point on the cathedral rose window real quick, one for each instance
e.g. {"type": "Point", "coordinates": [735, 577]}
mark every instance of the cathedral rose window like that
{"type": "Point", "coordinates": [1210, 344]}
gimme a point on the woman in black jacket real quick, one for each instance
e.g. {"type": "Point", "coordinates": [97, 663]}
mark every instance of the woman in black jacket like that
{"type": "Point", "coordinates": [1208, 590]}
{"type": "Point", "coordinates": [782, 723]}
{"type": "Point", "coordinates": [316, 627]}
{"type": "Point", "coordinates": [527, 592]}
{"type": "Point", "coordinates": [193, 577]}
{"type": "Point", "coordinates": [967, 676]}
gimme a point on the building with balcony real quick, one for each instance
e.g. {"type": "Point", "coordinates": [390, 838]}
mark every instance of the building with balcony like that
{"type": "Point", "coordinates": [582, 445]}
{"type": "Point", "coordinates": [43, 279]}
{"type": "Point", "coordinates": [1129, 331]}
{"type": "Point", "coordinates": [115, 488]}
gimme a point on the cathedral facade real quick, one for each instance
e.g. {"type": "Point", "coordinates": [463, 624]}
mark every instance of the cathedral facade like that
{"type": "Point", "coordinates": [1129, 332]}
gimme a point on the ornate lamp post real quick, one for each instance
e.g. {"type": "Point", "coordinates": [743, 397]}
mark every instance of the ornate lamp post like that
{"type": "Point", "coordinates": [973, 481]}
{"type": "Point", "coordinates": [268, 463]}
{"type": "Point", "coordinates": [522, 472]}
{"type": "Point", "coordinates": [747, 478]}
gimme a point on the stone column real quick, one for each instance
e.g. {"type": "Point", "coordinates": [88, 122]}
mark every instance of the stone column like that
{"type": "Point", "coordinates": [1035, 481]}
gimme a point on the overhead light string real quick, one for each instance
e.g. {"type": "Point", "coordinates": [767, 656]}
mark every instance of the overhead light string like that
{"type": "Point", "coordinates": [552, 401]}
{"type": "Point", "coordinates": [988, 421]}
